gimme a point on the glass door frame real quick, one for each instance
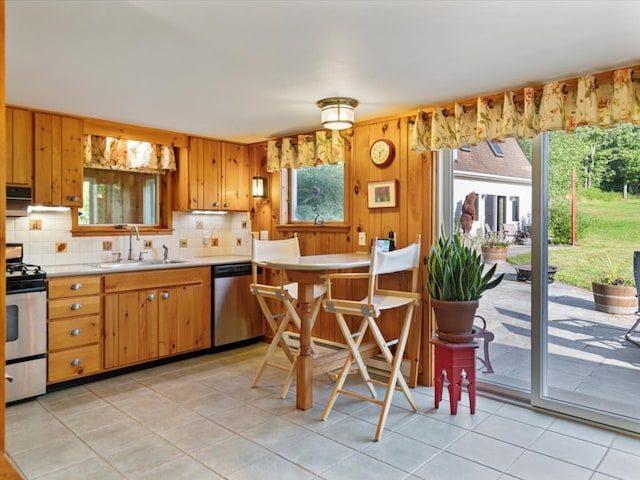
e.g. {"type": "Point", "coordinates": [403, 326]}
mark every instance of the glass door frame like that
{"type": "Point", "coordinates": [540, 303]}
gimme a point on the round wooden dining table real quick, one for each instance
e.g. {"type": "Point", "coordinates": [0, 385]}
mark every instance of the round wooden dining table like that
{"type": "Point", "coordinates": [306, 270]}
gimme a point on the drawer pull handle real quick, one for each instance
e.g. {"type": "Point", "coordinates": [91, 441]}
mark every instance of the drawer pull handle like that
{"type": "Point", "coordinates": [75, 332]}
{"type": "Point", "coordinates": [75, 306]}
{"type": "Point", "coordinates": [151, 296]}
{"type": "Point", "coordinates": [165, 295]}
{"type": "Point", "coordinates": [75, 362]}
{"type": "Point", "coordinates": [76, 286]}
{"type": "Point", "coordinates": [73, 198]}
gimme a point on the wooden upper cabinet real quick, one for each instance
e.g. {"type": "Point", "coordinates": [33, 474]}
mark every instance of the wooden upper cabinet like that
{"type": "Point", "coordinates": [58, 160]}
{"type": "Point", "coordinates": [215, 177]}
{"type": "Point", "coordinates": [235, 177]}
{"type": "Point", "coordinates": [19, 146]}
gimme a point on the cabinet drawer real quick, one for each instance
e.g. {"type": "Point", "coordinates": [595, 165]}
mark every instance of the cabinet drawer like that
{"type": "Point", "coordinates": [73, 307]}
{"type": "Point", "coordinates": [74, 286]}
{"type": "Point", "coordinates": [74, 332]}
{"type": "Point", "coordinates": [74, 363]}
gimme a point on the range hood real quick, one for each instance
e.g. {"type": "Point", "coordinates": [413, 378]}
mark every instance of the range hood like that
{"type": "Point", "coordinates": [18, 200]}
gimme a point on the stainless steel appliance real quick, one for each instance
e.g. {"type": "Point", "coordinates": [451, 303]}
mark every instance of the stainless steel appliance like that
{"type": "Point", "coordinates": [18, 200]}
{"type": "Point", "coordinates": [26, 325]}
{"type": "Point", "coordinates": [236, 314]}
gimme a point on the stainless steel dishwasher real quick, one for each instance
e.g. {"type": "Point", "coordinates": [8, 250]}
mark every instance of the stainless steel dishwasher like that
{"type": "Point", "coordinates": [236, 314]}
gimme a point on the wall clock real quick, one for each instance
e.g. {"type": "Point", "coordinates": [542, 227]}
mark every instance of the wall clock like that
{"type": "Point", "coordinates": [382, 152]}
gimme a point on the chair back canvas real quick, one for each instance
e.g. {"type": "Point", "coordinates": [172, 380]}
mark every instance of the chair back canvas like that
{"type": "Point", "coordinates": [403, 259]}
{"type": "Point", "coordinates": [265, 250]}
{"type": "Point", "coordinates": [406, 258]}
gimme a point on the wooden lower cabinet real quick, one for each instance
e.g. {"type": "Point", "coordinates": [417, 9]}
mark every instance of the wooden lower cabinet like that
{"type": "Point", "coordinates": [154, 314]}
{"type": "Point", "coordinates": [74, 327]}
{"type": "Point", "coordinates": [68, 364]}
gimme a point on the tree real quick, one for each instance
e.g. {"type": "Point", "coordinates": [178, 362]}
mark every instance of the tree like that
{"type": "Point", "coordinates": [320, 193]}
{"type": "Point", "coordinates": [621, 151]}
{"type": "Point", "coordinates": [577, 151]}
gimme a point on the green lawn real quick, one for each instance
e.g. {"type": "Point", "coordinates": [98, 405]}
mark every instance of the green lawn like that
{"type": "Point", "coordinates": [615, 234]}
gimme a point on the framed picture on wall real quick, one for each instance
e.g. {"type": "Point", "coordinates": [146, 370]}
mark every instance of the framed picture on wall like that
{"type": "Point", "coordinates": [383, 194]}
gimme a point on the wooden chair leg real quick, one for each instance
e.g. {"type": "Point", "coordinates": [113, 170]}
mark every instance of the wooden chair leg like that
{"type": "Point", "coordinates": [395, 362]}
{"type": "Point", "coordinates": [353, 356]}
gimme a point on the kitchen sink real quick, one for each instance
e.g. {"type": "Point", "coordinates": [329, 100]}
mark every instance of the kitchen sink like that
{"type": "Point", "coordinates": [161, 262]}
{"type": "Point", "coordinates": [135, 263]}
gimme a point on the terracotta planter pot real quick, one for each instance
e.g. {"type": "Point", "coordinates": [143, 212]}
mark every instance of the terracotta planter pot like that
{"type": "Point", "coordinates": [494, 255]}
{"type": "Point", "coordinates": [454, 320]}
{"type": "Point", "coordinates": [614, 298]}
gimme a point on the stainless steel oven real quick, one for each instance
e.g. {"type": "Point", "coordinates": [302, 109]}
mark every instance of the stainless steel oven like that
{"type": "Point", "coordinates": [26, 328]}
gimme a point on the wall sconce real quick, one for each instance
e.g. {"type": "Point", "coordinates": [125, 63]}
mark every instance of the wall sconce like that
{"type": "Point", "coordinates": [259, 187]}
{"type": "Point", "coordinates": [337, 113]}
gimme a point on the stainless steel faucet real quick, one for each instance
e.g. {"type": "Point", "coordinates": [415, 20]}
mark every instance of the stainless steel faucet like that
{"type": "Point", "coordinates": [165, 253]}
{"type": "Point", "coordinates": [135, 227]}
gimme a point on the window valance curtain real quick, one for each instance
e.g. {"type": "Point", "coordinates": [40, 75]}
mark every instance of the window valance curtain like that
{"type": "Point", "coordinates": [128, 155]}
{"type": "Point", "coordinates": [306, 151]}
{"type": "Point", "coordinates": [598, 100]}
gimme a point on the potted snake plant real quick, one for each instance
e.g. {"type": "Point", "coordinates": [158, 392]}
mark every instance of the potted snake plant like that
{"type": "Point", "coordinates": [455, 281]}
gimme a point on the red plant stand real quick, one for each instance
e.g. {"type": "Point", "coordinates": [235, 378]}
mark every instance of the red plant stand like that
{"type": "Point", "coordinates": [455, 362]}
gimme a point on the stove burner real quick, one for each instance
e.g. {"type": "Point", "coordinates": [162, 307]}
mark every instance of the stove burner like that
{"type": "Point", "coordinates": [23, 269]}
{"type": "Point", "coordinates": [23, 277]}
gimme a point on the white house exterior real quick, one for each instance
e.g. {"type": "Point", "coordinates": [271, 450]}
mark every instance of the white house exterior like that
{"type": "Point", "coordinates": [501, 179]}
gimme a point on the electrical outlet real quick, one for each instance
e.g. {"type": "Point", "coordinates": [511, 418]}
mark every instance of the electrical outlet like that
{"type": "Point", "coordinates": [148, 244]}
{"type": "Point", "coordinates": [362, 239]}
{"type": "Point", "coordinates": [183, 243]}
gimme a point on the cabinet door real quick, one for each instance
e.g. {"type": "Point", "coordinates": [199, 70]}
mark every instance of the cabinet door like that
{"type": "Point", "coordinates": [193, 322]}
{"type": "Point", "coordinates": [58, 160]}
{"type": "Point", "coordinates": [131, 327]}
{"type": "Point", "coordinates": [235, 177]}
{"type": "Point", "coordinates": [71, 162]}
{"type": "Point", "coordinates": [204, 174]}
{"type": "Point", "coordinates": [184, 323]}
{"type": "Point", "coordinates": [19, 146]}
{"type": "Point", "coordinates": [168, 322]}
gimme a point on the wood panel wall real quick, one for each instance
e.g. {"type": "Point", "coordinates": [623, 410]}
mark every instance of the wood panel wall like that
{"type": "Point", "coordinates": [414, 215]}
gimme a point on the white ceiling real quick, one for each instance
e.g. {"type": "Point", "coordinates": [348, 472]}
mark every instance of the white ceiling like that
{"type": "Point", "coordinates": [248, 70]}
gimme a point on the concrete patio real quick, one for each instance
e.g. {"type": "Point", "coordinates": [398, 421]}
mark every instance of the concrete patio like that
{"type": "Point", "coordinates": [590, 363]}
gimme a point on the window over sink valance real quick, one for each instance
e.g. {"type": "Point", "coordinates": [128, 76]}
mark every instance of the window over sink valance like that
{"type": "Point", "coordinates": [306, 151]}
{"type": "Point", "coordinates": [128, 155]}
{"type": "Point", "coordinates": [602, 100]}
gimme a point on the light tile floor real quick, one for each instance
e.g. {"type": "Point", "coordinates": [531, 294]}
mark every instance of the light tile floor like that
{"type": "Point", "coordinates": [199, 419]}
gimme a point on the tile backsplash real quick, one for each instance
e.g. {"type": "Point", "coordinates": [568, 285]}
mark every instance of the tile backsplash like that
{"type": "Point", "coordinates": [47, 239]}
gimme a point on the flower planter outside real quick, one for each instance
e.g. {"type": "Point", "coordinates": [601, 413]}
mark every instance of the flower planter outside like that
{"type": "Point", "coordinates": [614, 298]}
{"type": "Point", "coordinates": [494, 255]}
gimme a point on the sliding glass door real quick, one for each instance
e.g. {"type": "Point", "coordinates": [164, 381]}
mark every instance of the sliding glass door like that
{"type": "Point", "coordinates": [581, 364]}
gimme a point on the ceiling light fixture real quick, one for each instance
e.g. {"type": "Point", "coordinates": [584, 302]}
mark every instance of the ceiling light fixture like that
{"type": "Point", "coordinates": [337, 113]}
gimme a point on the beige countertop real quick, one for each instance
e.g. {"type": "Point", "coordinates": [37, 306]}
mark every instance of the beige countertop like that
{"type": "Point", "coordinates": [95, 268]}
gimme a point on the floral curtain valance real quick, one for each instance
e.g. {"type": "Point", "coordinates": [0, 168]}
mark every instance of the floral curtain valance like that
{"type": "Point", "coordinates": [306, 151]}
{"type": "Point", "coordinates": [128, 155]}
{"type": "Point", "coordinates": [564, 105]}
